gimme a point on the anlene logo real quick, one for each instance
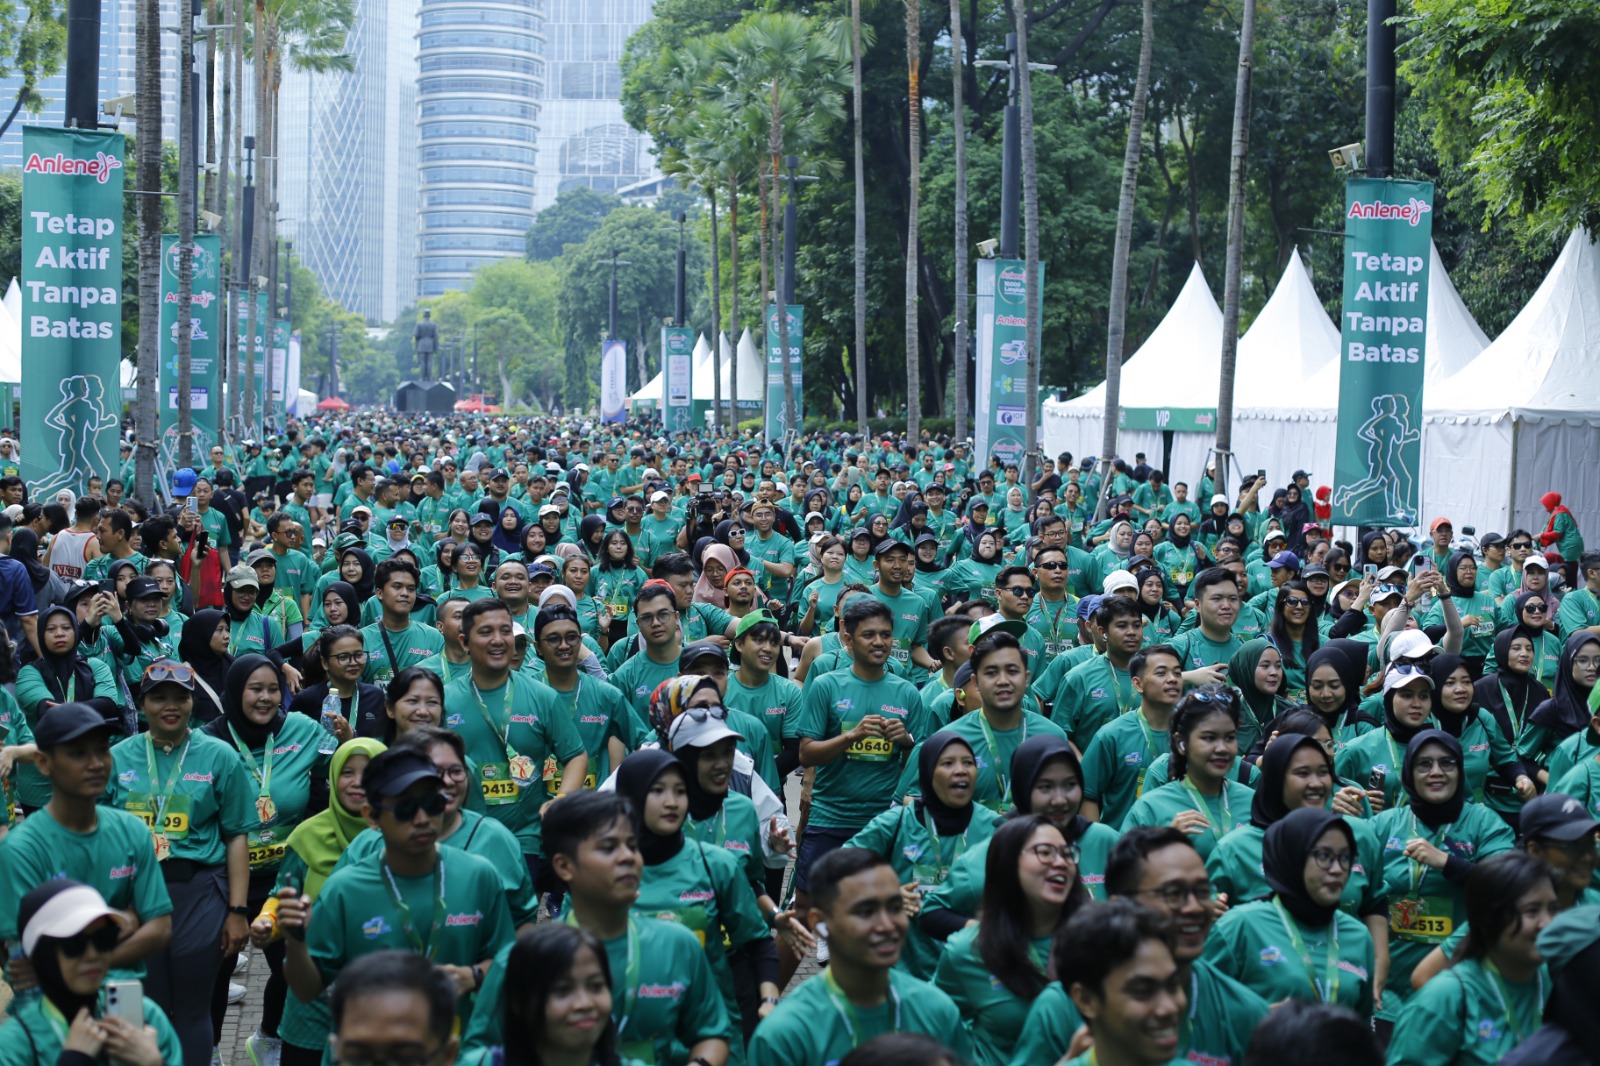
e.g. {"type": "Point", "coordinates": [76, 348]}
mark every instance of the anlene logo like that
{"type": "Point", "coordinates": [99, 168]}
{"type": "Point", "coordinates": [1382, 212]}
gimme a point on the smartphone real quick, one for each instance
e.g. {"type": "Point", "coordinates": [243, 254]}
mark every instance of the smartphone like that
{"type": "Point", "coordinates": [1422, 564]}
{"type": "Point", "coordinates": [1376, 778]}
{"type": "Point", "coordinates": [125, 1000]}
{"type": "Point", "coordinates": [191, 504]}
{"type": "Point", "coordinates": [1371, 571]}
{"type": "Point", "coordinates": [1261, 476]}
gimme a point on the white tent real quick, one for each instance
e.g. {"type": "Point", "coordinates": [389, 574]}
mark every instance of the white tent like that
{"type": "Point", "coordinates": [11, 334]}
{"type": "Point", "coordinates": [702, 374]}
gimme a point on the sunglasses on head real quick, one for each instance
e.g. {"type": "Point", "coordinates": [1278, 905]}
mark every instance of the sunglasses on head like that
{"type": "Point", "coordinates": [405, 810]}
{"type": "Point", "coordinates": [104, 940]}
{"type": "Point", "coordinates": [168, 671]}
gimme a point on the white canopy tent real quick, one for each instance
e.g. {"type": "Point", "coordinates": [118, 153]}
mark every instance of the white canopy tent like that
{"type": "Point", "coordinates": [702, 374]}
{"type": "Point", "coordinates": [11, 334]}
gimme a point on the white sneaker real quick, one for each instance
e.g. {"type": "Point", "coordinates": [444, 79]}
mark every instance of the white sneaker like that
{"type": "Point", "coordinates": [241, 963]}
{"type": "Point", "coordinates": [236, 993]}
{"type": "Point", "coordinates": [216, 1057]}
{"type": "Point", "coordinates": [822, 950]}
{"type": "Point", "coordinates": [264, 1050]}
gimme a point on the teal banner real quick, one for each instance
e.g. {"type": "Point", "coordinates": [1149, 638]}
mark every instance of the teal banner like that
{"type": "Point", "coordinates": [1001, 425]}
{"type": "Point", "coordinates": [777, 413]}
{"type": "Point", "coordinates": [677, 348]}
{"type": "Point", "coordinates": [250, 420]}
{"type": "Point", "coordinates": [1168, 419]}
{"type": "Point", "coordinates": [280, 374]}
{"type": "Point", "coordinates": [71, 269]}
{"type": "Point", "coordinates": [1383, 322]}
{"type": "Point", "coordinates": [205, 391]}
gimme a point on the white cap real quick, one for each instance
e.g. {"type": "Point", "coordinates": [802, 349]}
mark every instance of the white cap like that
{"type": "Point", "coordinates": [1390, 571]}
{"type": "Point", "coordinates": [1118, 579]}
{"type": "Point", "coordinates": [1402, 677]}
{"type": "Point", "coordinates": [1534, 559]}
{"type": "Point", "coordinates": [549, 508]}
{"type": "Point", "coordinates": [686, 732]}
{"type": "Point", "coordinates": [1219, 498]}
{"type": "Point", "coordinates": [14, 512]}
{"type": "Point", "coordinates": [559, 592]}
{"type": "Point", "coordinates": [582, 466]}
{"type": "Point", "coordinates": [817, 515]}
{"type": "Point", "coordinates": [1409, 644]}
{"type": "Point", "coordinates": [659, 495]}
{"type": "Point", "coordinates": [517, 632]}
{"type": "Point", "coordinates": [68, 913]}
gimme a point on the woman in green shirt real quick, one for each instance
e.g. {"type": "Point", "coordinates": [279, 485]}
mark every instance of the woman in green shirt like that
{"type": "Point", "coordinates": [1512, 691]}
{"type": "Point", "coordinates": [1256, 670]}
{"type": "Point", "coordinates": [973, 577]}
{"type": "Point", "coordinates": [594, 615]}
{"type": "Point", "coordinates": [923, 837]}
{"type": "Point", "coordinates": [1299, 944]}
{"type": "Point", "coordinates": [1160, 619]}
{"type": "Point", "coordinates": [617, 579]}
{"type": "Point", "coordinates": [1476, 609]}
{"type": "Point", "coordinates": [1202, 799]}
{"type": "Point", "coordinates": [467, 572]}
{"type": "Point", "coordinates": [61, 675]}
{"type": "Point", "coordinates": [1492, 773]}
{"type": "Point", "coordinates": [995, 970]}
{"type": "Point", "coordinates": [1567, 710]}
{"type": "Point", "coordinates": [822, 593]}
{"type": "Point", "coordinates": [1179, 557]}
{"type": "Point", "coordinates": [1296, 636]}
{"type": "Point", "coordinates": [1407, 711]}
{"type": "Point", "coordinates": [1535, 613]}
{"type": "Point", "coordinates": [1492, 997]}
{"type": "Point", "coordinates": [560, 1006]}
{"type": "Point", "coordinates": [860, 566]}
{"type": "Point", "coordinates": [68, 934]}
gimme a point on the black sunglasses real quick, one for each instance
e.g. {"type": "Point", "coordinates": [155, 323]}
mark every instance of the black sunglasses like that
{"type": "Point", "coordinates": [432, 804]}
{"type": "Point", "coordinates": [104, 940]}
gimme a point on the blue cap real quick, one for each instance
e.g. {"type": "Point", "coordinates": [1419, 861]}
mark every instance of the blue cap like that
{"type": "Point", "coordinates": [1282, 559]}
{"type": "Point", "coordinates": [1088, 606]}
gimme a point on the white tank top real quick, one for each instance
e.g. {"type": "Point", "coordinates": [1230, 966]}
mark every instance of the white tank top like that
{"type": "Point", "coordinates": [66, 553]}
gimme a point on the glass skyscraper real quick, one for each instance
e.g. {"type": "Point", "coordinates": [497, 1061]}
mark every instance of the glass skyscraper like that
{"type": "Point", "coordinates": [481, 73]}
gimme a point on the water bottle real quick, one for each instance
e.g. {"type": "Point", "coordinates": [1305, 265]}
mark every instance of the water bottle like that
{"type": "Point", "coordinates": [331, 708]}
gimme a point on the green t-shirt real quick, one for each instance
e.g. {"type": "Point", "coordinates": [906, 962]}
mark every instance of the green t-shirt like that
{"type": "Point", "coordinates": [1056, 623]}
{"type": "Point", "coordinates": [32, 787]}
{"type": "Point", "coordinates": [775, 702]}
{"type": "Point", "coordinates": [387, 658]}
{"type": "Point", "coordinates": [736, 828]}
{"type": "Point", "coordinates": [1114, 767]}
{"type": "Point", "coordinates": [475, 835]}
{"type": "Point", "coordinates": [912, 616]}
{"type": "Point", "coordinates": [297, 761]}
{"type": "Point", "coordinates": [1467, 1015]}
{"type": "Point", "coordinates": [991, 1014]}
{"type": "Point", "coordinates": [814, 1024]}
{"type": "Point", "coordinates": [1090, 695]}
{"type": "Point", "coordinates": [992, 749]}
{"type": "Point", "coordinates": [95, 569]}
{"type": "Point", "coordinates": [1224, 812]}
{"type": "Point", "coordinates": [1235, 868]}
{"type": "Point", "coordinates": [598, 712]}
{"type": "Point", "coordinates": [1254, 944]}
{"type": "Point", "coordinates": [296, 572]}
{"type": "Point", "coordinates": [215, 523]}
{"type": "Point", "coordinates": [534, 726]}
{"type": "Point", "coordinates": [197, 795]}
{"type": "Point", "coordinates": [31, 1037]}
{"type": "Point", "coordinates": [848, 792]}
{"type": "Point", "coordinates": [1199, 651]}
{"type": "Point", "coordinates": [637, 677]}
{"type": "Point", "coordinates": [774, 548]}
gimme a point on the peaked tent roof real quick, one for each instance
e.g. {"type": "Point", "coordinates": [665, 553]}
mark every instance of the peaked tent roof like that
{"type": "Point", "coordinates": [1290, 340]}
{"type": "Point", "coordinates": [1546, 357]}
{"type": "Point", "coordinates": [1453, 338]}
{"type": "Point", "coordinates": [1185, 349]}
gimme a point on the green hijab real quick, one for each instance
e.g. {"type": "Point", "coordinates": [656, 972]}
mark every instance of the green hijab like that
{"type": "Point", "coordinates": [322, 838]}
{"type": "Point", "coordinates": [1242, 676]}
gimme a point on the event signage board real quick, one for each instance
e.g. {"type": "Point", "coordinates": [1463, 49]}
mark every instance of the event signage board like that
{"type": "Point", "coordinates": [1383, 320]}
{"type": "Point", "coordinates": [205, 391]}
{"type": "Point", "coordinates": [1000, 428]}
{"type": "Point", "coordinates": [777, 413]}
{"type": "Point", "coordinates": [280, 372]}
{"type": "Point", "coordinates": [677, 346]}
{"type": "Point", "coordinates": [613, 381]}
{"type": "Point", "coordinates": [251, 419]}
{"type": "Point", "coordinates": [71, 268]}
{"type": "Point", "coordinates": [1168, 419]}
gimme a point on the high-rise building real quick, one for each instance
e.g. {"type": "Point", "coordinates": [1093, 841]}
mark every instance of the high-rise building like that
{"type": "Point", "coordinates": [583, 139]}
{"type": "Point", "coordinates": [482, 68]}
{"type": "Point", "coordinates": [117, 64]}
{"type": "Point", "coordinates": [347, 169]}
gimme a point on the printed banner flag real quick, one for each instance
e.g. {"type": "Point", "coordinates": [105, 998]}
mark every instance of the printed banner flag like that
{"type": "Point", "coordinates": [613, 381]}
{"type": "Point", "coordinates": [677, 342]}
{"type": "Point", "coordinates": [205, 393]}
{"type": "Point", "coordinates": [251, 420]}
{"type": "Point", "coordinates": [777, 413]}
{"type": "Point", "coordinates": [280, 372]}
{"type": "Point", "coordinates": [71, 307]}
{"type": "Point", "coordinates": [1001, 427]}
{"type": "Point", "coordinates": [1383, 322]}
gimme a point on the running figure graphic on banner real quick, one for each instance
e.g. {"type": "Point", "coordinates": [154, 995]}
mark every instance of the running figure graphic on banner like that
{"type": "Point", "coordinates": [1386, 433]}
{"type": "Point", "coordinates": [80, 418]}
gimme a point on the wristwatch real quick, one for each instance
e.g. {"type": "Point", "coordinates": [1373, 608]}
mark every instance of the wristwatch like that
{"type": "Point", "coordinates": [241, 911]}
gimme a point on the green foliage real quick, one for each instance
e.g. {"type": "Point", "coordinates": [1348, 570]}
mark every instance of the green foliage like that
{"type": "Point", "coordinates": [576, 213]}
{"type": "Point", "coordinates": [33, 46]}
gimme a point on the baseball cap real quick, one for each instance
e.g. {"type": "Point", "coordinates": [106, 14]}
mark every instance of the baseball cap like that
{"type": "Point", "coordinates": [1118, 579]}
{"type": "Point", "coordinates": [701, 649]}
{"type": "Point", "coordinates": [888, 545]}
{"type": "Point", "coordinates": [399, 520]}
{"type": "Point", "coordinates": [61, 909]}
{"type": "Point", "coordinates": [481, 516]}
{"type": "Point", "coordinates": [993, 623]}
{"type": "Point", "coordinates": [393, 771]}
{"type": "Point", "coordinates": [1219, 498]}
{"type": "Point", "coordinates": [818, 515]}
{"type": "Point", "coordinates": [693, 477]}
{"type": "Point", "coordinates": [749, 622]}
{"type": "Point", "coordinates": [549, 508]}
{"type": "Point", "coordinates": [1401, 678]}
{"type": "Point", "coordinates": [1314, 570]}
{"type": "Point", "coordinates": [700, 727]}
{"type": "Point", "coordinates": [166, 671]}
{"type": "Point", "coordinates": [260, 555]}
{"type": "Point", "coordinates": [659, 495]}
{"type": "Point", "coordinates": [540, 570]}
{"type": "Point", "coordinates": [1409, 644]}
{"type": "Point", "coordinates": [559, 592]}
{"type": "Point", "coordinates": [1384, 592]}
{"type": "Point", "coordinates": [1489, 540]}
{"type": "Point", "coordinates": [963, 675]}
{"type": "Point", "coordinates": [1537, 561]}
{"type": "Point", "coordinates": [1273, 534]}
{"type": "Point", "coordinates": [498, 474]}
{"type": "Point", "coordinates": [1298, 474]}
{"type": "Point", "coordinates": [69, 721]}
{"type": "Point", "coordinates": [141, 588]}
{"type": "Point", "coordinates": [1569, 935]}
{"type": "Point", "coordinates": [1285, 558]}
{"type": "Point", "coordinates": [14, 512]}
{"type": "Point", "coordinates": [1433, 527]}
{"type": "Point", "coordinates": [1389, 572]}
{"type": "Point", "coordinates": [241, 577]}
{"type": "Point", "coordinates": [1554, 816]}
{"type": "Point", "coordinates": [924, 538]}
{"type": "Point", "coordinates": [1088, 605]}
{"type": "Point", "coordinates": [361, 509]}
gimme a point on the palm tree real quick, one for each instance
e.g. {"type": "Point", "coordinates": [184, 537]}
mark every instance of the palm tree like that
{"type": "Point", "coordinates": [1030, 230]}
{"type": "Point", "coordinates": [860, 345]}
{"type": "Point", "coordinates": [147, 143]}
{"type": "Point", "coordinates": [186, 214]}
{"type": "Point", "coordinates": [914, 149]}
{"type": "Point", "coordinates": [958, 119]}
{"type": "Point", "coordinates": [1235, 253]}
{"type": "Point", "coordinates": [1117, 320]}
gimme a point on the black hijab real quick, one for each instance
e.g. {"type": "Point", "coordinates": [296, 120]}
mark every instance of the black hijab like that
{"type": "Point", "coordinates": [947, 820]}
{"type": "Point", "coordinates": [1284, 850]}
{"type": "Point", "coordinates": [68, 667]}
{"type": "Point", "coordinates": [363, 585]}
{"type": "Point", "coordinates": [702, 804]}
{"type": "Point", "coordinates": [1433, 815]}
{"type": "Point", "coordinates": [1521, 692]}
{"type": "Point", "coordinates": [1348, 658]}
{"type": "Point", "coordinates": [253, 734]}
{"type": "Point", "coordinates": [721, 534]}
{"type": "Point", "coordinates": [1029, 761]}
{"type": "Point", "coordinates": [1440, 667]}
{"type": "Point", "coordinates": [352, 601]}
{"type": "Point", "coordinates": [910, 504]}
{"type": "Point", "coordinates": [635, 775]}
{"type": "Point", "coordinates": [1567, 710]}
{"type": "Point", "coordinates": [194, 648]}
{"type": "Point", "coordinates": [25, 550]}
{"type": "Point", "coordinates": [591, 531]}
{"type": "Point", "coordinates": [1452, 566]}
{"type": "Point", "coordinates": [1398, 729]}
{"type": "Point", "coordinates": [1268, 807]}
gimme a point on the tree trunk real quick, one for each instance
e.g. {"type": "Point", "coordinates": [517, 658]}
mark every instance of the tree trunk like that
{"type": "Point", "coordinates": [1235, 254]}
{"type": "Point", "coordinates": [252, 404]}
{"type": "Point", "coordinates": [734, 330]}
{"type": "Point", "coordinates": [1117, 320]}
{"type": "Point", "coordinates": [147, 422]}
{"type": "Point", "coordinates": [780, 300]}
{"type": "Point", "coordinates": [186, 211]}
{"type": "Point", "coordinates": [958, 119]}
{"type": "Point", "coordinates": [213, 180]}
{"type": "Point", "coordinates": [913, 208]}
{"type": "Point", "coordinates": [716, 317]}
{"type": "Point", "coordinates": [859, 344]}
{"type": "Point", "coordinates": [233, 120]}
{"type": "Point", "coordinates": [762, 181]}
{"type": "Point", "coordinates": [1030, 240]}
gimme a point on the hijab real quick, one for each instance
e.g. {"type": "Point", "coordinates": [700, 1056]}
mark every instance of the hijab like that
{"type": "Point", "coordinates": [908, 506]}
{"type": "Point", "coordinates": [1521, 600]}
{"type": "Point", "coordinates": [1398, 729]}
{"type": "Point", "coordinates": [635, 776]}
{"type": "Point", "coordinates": [1366, 542]}
{"type": "Point", "coordinates": [1242, 676]}
{"type": "Point", "coordinates": [1177, 541]}
{"type": "Point", "coordinates": [1507, 691]}
{"type": "Point", "coordinates": [1029, 761]}
{"type": "Point", "coordinates": [68, 667]}
{"type": "Point", "coordinates": [322, 838]}
{"type": "Point", "coordinates": [1433, 815]}
{"type": "Point", "coordinates": [46, 962]}
{"type": "Point", "coordinates": [1440, 667]}
{"type": "Point", "coordinates": [253, 734]}
{"type": "Point", "coordinates": [1567, 710]}
{"type": "Point", "coordinates": [947, 820]}
{"type": "Point", "coordinates": [591, 531]}
{"type": "Point", "coordinates": [1149, 610]}
{"type": "Point", "coordinates": [1268, 807]}
{"type": "Point", "coordinates": [707, 591]}
{"type": "Point", "coordinates": [994, 557]}
{"type": "Point", "coordinates": [25, 550]}
{"type": "Point", "coordinates": [362, 585]}
{"type": "Point", "coordinates": [1284, 851]}
{"type": "Point", "coordinates": [722, 532]}
{"type": "Point", "coordinates": [194, 648]}
{"type": "Point", "coordinates": [702, 804]}
{"type": "Point", "coordinates": [1348, 658]}
{"type": "Point", "coordinates": [1452, 567]}
{"type": "Point", "coordinates": [508, 540]}
{"type": "Point", "coordinates": [352, 602]}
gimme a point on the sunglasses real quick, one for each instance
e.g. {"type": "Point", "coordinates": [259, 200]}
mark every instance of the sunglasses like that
{"type": "Point", "coordinates": [1522, 544]}
{"type": "Point", "coordinates": [405, 810]}
{"type": "Point", "coordinates": [1022, 592]}
{"type": "Point", "coordinates": [104, 940]}
{"type": "Point", "coordinates": [701, 714]}
{"type": "Point", "coordinates": [169, 671]}
{"type": "Point", "coordinates": [1052, 566]}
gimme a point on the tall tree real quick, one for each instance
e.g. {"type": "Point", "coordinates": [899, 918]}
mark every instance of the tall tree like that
{"type": "Point", "coordinates": [1030, 230]}
{"type": "Point", "coordinates": [1235, 253]}
{"type": "Point", "coordinates": [1117, 318]}
{"type": "Point", "coordinates": [858, 349]}
{"type": "Point", "coordinates": [914, 149]}
{"type": "Point", "coordinates": [958, 123]}
{"type": "Point", "coordinates": [147, 90]}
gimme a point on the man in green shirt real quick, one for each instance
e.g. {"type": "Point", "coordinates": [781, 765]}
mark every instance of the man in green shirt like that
{"type": "Point", "coordinates": [655, 613]}
{"type": "Point", "coordinates": [451, 661]}
{"type": "Point", "coordinates": [1206, 649]}
{"type": "Point", "coordinates": [771, 554]}
{"type": "Point", "coordinates": [754, 689]}
{"type": "Point", "coordinates": [214, 522]}
{"type": "Point", "coordinates": [113, 530]}
{"type": "Point", "coordinates": [1117, 961]}
{"type": "Point", "coordinates": [297, 574]}
{"type": "Point", "coordinates": [598, 712]}
{"type": "Point", "coordinates": [910, 612]}
{"type": "Point", "coordinates": [1119, 756]}
{"type": "Point", "coordinates": [858, 907]}
{"type": "Point", "coordinates": [1101, 689]}
{"type": "Point", "coordinates": [394, 641]}
{"type": "Point", "coordinates": [1580, 608]}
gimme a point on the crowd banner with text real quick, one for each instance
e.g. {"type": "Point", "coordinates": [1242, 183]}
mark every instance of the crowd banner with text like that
{"type": "Point", "coordinates": [1002, 307]}
{"type": "Point", "coordinates": [677, 342]}
{"type": "Point", "coordinates": [613, 381]}
{"type": "Point", "coordinates": [205, 392]}
{"type": "Point", "coordinates": [777, 414]}
{"type": "Point", "coordinates": [71, 306]}
{"type": "Point", "coordinates": [1383, 322]}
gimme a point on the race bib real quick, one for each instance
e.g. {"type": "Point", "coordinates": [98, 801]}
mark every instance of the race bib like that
{"type": "Point", "coordinates": [264, 848]}
{"type": "Point", "coordinates": [869, 749]}
{"type": "Point", "coordinates": [1430, 918]}
{"type": "Point", "coordinates": [498, 787]}
{"type": "Point", "coordinates": [552, 776]}
{"type": "Point", "coordinates": [174, 820]}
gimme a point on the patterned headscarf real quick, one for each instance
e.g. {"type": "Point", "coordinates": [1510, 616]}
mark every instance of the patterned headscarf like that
{"type": "Point", "coordinates": [670, 699]}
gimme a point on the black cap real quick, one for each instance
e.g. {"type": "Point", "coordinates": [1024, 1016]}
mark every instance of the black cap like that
{"type": "Point", "coordinates": [889, 544]}
{"type": "Point", "coordinates": [925, 538]}
{"type": "Point", "coordinates": [497, 474]}
{"type": "Point", "coordinates": [481, 516]}
{"type": "Point", "coordinates": [701, 649]}
{"type": "Point", "coordinates": [1314, 570]}
{"type": "Point", "coordinates": [140, 588]}
{"type": "Point", "coordinates": [1298, 474]}
{"type": "Point", "coordinates": [69, 721]}
{"type": "Point", "coordinates": [1489, 540]}
{"type": "Point", "coordinates": [1554, 816]}
{"type": "Point", "coordinates": [393, 771]}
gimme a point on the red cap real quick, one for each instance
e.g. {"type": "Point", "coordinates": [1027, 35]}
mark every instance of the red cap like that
{"type": "Point", "coordinates": [1433, 527]}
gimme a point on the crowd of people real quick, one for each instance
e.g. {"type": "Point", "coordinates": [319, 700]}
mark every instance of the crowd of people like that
{"type": "Point", "coordinates": [516, 741]}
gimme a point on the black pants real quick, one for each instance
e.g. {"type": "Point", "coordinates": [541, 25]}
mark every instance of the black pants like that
{"type": "Point", "coordinates": [299, 1056]}
{"type": "Point", "coordinates": [277, 986]}
{"type": "Point", "coordinates": [191, 959]}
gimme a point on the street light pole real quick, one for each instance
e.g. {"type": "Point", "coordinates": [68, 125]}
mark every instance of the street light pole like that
{"type": "Point", "coordinates": [679, 294]}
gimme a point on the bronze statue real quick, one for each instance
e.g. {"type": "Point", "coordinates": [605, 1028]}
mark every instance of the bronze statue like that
{"type": "Point", "coordinates": [425, 341]}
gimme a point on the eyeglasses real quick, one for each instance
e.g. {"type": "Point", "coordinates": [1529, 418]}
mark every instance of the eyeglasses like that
{"type": "Point", "coordinates": [1447, 764]}
{"type": "Point", "coordinates": [1049, 853]}
{"type": "Point", "coordinates": [350, 658]}
{"type": "Point", "coordinates": [454, 772]}
{"type": "Point", "coordinates": [1051, 566]}
{"type": "Point", "coordinates": [1174, 895]}
{"type": "Point", "coordinates": [1022, 592]}
{"type": "Point", "coordinates": [169, 671]}
{"type": "Point", "coordinates": [405, 810]}
{"type": "Point", "coordinates": [1296, 601]}
{"type": "Point", "coordinates": [1327, 858]}
{"type": "Point", "coordinates": [1524, 544]}
{"type": "Point", "coordinates": [562, 639]}
{"type": "Point", "coordinates": [1535, 608]}
{"type": "Point", "coordinates": [104, 940]}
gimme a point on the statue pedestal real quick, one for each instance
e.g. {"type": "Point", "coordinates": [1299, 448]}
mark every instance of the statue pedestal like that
{"type": "Point", "coordinates": [425, 397]}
